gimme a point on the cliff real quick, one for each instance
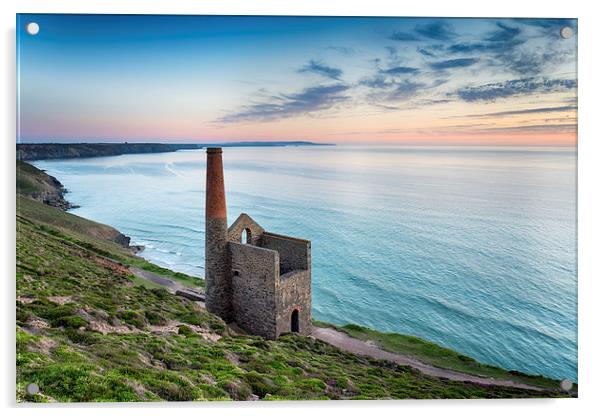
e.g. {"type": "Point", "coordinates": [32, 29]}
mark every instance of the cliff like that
{"type": "Point", "coordinates": [38, 185]}
{"type": "Point", "coordinates": [33, 151]}
{"type": "Point", "coordinates": [44, 151]}
{"type": "Point", "coordinates": [35, 184]}
{"type": "Point", "coordinates": [89, 330]}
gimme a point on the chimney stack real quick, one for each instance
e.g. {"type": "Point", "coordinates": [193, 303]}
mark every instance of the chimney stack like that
{"type": "Point", "coordinates": [218, 286]}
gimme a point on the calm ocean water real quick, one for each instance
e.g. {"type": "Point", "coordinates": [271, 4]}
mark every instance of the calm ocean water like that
{"type": "Point", "coordinates": [473, 248]}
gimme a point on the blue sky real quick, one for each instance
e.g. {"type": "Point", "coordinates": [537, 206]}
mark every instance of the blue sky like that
{"type": "Point", "coordinates": [344, 80]}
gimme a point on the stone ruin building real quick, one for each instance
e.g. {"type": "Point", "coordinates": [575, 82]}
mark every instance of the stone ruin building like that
{"type": "Point", "coordinates": [257, 279]}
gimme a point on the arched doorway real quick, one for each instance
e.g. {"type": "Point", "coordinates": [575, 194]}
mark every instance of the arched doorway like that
{"type": "Point", "coordinates": [295, 320]}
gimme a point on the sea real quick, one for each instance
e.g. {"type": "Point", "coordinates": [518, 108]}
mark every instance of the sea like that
{"type": "Point", "coordinates": [473, 248]}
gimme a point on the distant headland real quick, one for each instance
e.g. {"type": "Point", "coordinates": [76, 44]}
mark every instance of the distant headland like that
{"type": "Point", "coordinates": [44, 151]}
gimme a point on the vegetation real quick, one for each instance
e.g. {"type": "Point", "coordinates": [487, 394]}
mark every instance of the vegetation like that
{"type": "Point", "coordinates": [433, 354]}
{"type": "Point", "coordinates": [92, 236]}
{"type": "Point", "coordinates": [38, 151]}
{"type": "Point", "coordinates": [36, 184]}
{"type": "Point", "coordinates": [88, 330]}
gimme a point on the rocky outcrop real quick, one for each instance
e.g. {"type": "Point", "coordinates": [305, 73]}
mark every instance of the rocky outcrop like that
{"type": "Point", "coordinates": [38, 185]}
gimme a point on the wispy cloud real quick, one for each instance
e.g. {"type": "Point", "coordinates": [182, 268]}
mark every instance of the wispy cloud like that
{"type": "Point", "coordinates": [343, 50]}
{"type": "Point", "coordinates": [503, 39]}
{"type": "Point", "coordinates": [540, 110]}
{"type": "Point", "coordinates": [426, 52]}
{"type": "Point", "coordinates": [504, 33]}
{"type": "Point", "coordinates": [453, 63]}
{"type": "Point", "coordinates": [549, 27]}
{"type": "Point", "coordinates": [557, 128]}
{"type": "Point", "coordinates": [403, 36]}
{"type": "Point", "coordinates": [399, 70]}
{"type": "Point", "coordinates": [320, 68]}
{"type": "Point", "coordinates": [526, 86]}
{"type": "Point", "coordinates": [307, 101]}
{"type": "Point", "coordinates": [438, 30]}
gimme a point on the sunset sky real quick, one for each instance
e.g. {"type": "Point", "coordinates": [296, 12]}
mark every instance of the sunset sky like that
{"type": "Point", "coordinates": [93, 78]}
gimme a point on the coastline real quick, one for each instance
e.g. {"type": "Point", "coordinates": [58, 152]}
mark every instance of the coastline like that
{"type": "Point", "coordinates": [376, 338]}
{"type": "Point", "coordinates": [48, 151]}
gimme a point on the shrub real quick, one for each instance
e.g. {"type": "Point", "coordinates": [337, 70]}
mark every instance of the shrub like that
{"type": "Point", "coordinates": [70, 322]}
{"type": "Point", "coordinates": [81, 337]}
{"type": "Point", "coordinates": [186, 331]}
{"type": "Point", "coordinates": [132, 318]}
{"type": "Point", "coordinates": [154, 318]}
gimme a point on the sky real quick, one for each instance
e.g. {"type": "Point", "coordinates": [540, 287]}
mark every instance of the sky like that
{"type": "Point", "coordinates": [211, 79]}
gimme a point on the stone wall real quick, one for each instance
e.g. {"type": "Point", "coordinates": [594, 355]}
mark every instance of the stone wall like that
{"type": "Point", "coordinates": [293, 291]}
{"type": "Point", "coordinates": [294, 252]}
{"type": "Point", "coordinates": [254, 274]}
{"type": "Point", "coordinates": [244, 222]}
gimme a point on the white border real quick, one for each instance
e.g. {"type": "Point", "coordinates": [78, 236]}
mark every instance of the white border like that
{"type": "Point", "coordinates": [590, 191]}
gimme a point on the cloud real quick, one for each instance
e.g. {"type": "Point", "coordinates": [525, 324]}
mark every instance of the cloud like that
{"type": "Point", "coordinates": [343, 50]}
{"type": "Point", "coordinates": [453, 63]}
{"type": "Point", "coordinates": [504, 33]}
{"type": "Point", "coordinates": [533, 63]}
{"type": "Point", "coordinates": [306, 101]}
{"type": "Point", "coordinates": [320, 68]}
{"type": "Point", "coordinates": [556, 24]}
{"type": "Point", "coordinates": [438, 30]}
{"type": "Point", "coordinates": [398, 70]}
{"type": "Point", "coordinates": [405, 89]}
{"type": "Point", "coordinates": [377, 81]}
{"type": "Point", "coordinates": [503, 39]}
{"type": "Point", "coordinates": [540, 110]}
{"type": "Point", "coordinates": [425, 52]}
{"type": "Point", "coordinates": [557, 128]}
{"type": "Point", "coordinates": [388, 91]}
{"type": "Point", "coordinates": [525, 86]}
{"type": "Point", "coordinates": [403, 36]}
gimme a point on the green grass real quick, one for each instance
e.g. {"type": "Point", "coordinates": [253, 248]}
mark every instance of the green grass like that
{"type": "Point", "coordinates": [71, 361]}
{"type": "Point", "coordinates": [186, 280]}
{"type": "Point", "coordinates": [67, 292]}
{"type": "Point", "coordinates": [91, 236]}
{"type": "Point", "coordinates": [139, 281]}
{"type": "Point", "coordinates": [431, 353]}
{"type": "Point", "coordinates": [30, 179]}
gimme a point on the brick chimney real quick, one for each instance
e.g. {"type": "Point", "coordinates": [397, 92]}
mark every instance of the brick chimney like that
{"type": "Point", "coordinates": [218, 286]}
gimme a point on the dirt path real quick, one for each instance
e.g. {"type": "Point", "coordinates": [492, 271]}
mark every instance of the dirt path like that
{"type": "Point", "coordinates": [169, 284]}
{"type": "Point", "coordinates": [366, 348]}
{"type": "Point", "coordinates": [359, 347]}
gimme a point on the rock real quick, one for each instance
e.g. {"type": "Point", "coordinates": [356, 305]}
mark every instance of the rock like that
{"type": "Point", "coordinates": [84, 315]}
{"type": "Point", "coordinates": [136, 249]}
{"type": "Point", "coordinates": [191, 294]}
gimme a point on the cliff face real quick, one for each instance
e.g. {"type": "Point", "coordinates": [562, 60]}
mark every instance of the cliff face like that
{"type": "Point", "coordinates": [43, 151]}
{"type": "Point", "coordinates": [39, 186]}
{"type": "Point", "coordinates": [31, 151]}
{"type": "Point", "coordinates": [35, 184]}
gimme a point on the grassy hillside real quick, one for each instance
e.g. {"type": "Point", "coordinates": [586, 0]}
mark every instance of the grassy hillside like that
{"type": "Point", "coordinates": [36, 184]}
{"type": "Point", "coordinates": [438, 356]}
{"type": "Point", "coordinates": [87, 331]}
{"type": "Point", "coordinates": [103, 239]}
